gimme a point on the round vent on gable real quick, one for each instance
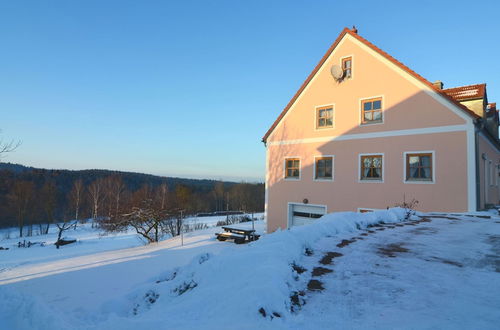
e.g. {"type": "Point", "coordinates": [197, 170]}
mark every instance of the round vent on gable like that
{"type": "Point", "coordinates": [337, 72]}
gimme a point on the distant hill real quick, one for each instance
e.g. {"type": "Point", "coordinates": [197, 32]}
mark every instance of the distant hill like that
{"type": "Point", "coordinates": [204, 195]}
{"type": "Point", "coordinates": [18, 168]}
{"type": "Point", "coordinates": [132, 180]}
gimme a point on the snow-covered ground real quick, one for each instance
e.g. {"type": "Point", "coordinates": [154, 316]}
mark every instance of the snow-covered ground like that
{"type": "Point", "coordinates": [439, 272]}
{"type": "Point", "coordinates": [89, 241]}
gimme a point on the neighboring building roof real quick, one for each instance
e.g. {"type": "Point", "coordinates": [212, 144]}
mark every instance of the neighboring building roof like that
{"type": "Point", "coordinates": [464, 93]}
{"type": "Point", "coordinates": [354, 33]}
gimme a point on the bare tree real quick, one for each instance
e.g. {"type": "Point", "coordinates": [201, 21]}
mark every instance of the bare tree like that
{"type": "Point", "coordinates": [48, 197]}
{"type": "Point", "coordinates": [21, 197]}
{"type": "Point", "coordinates": [219, 192]}
{"type": "Point", "coordinates": [96, 194]}
{"type": "Point", "coordinates": [147, 220]}
{"type": "Point", "coordinates": [75, 196]}
{"type": "Point", "coordinates": [114, 187]}
{"type": "Point", "coordinates": [62, 227]}
{"type": "Point", "coordinates": [10, 146]}
{"type": "Point", "coordinates": [162, 194]}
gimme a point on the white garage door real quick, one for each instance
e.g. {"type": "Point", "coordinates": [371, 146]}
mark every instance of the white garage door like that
{"type": "Point", "coordinates": [302, 214]}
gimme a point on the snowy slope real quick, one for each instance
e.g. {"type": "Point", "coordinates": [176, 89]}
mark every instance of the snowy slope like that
{"type": "Point", "coordinates": [417, 274]}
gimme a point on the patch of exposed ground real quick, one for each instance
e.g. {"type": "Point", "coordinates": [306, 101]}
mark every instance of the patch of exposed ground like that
{"type": "Point", "coordinates": [424, 230]}
{"type": "Point", "coordinates": [327, 258]}
{"type": "Point", "coordinates": [446, 261]}
{"type": "Point", "coordinates": [297, 301]}
{"type": "Point", "coordinates": [320, 271]}
{"type": "Point", "coordinates": [345, 242]}
{"type": "Point", "coordinates": [315, 285]}
{"type": "Point", "coordinates": [391, 250]}
{"type": "Point", "coordinates": [443, 217]}
{"type": "Point", "coordinates": [299, 269]}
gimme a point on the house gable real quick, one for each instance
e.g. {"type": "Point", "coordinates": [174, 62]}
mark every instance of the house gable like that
{"type": "Point", "coordinates": [409, 101]}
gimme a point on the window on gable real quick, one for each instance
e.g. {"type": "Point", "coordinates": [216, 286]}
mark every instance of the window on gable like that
{"type": "Point", "coordinates": [371, 111]}
{"type": "Point", "coordinates": [292, 168]}
{"type": "Point", "coordinates": [324, 117]}
{"type": "Point", "coordinates": [419, 167]}
{"type": "Point", "coordinates": [324, 168]}
{"type": "Point", "coordinates": [371, 167]}
{"type": "Point", "coordinates": [347, 67]}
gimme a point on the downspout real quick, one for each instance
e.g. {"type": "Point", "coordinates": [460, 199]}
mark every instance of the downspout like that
{"type": "Point", "coordinates": [478, 177]}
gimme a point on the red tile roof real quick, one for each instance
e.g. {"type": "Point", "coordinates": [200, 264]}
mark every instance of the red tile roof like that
{"type": "Point", "coordinates": [464, 93]}
{"type": "Point", "coordinates": [354, 34]}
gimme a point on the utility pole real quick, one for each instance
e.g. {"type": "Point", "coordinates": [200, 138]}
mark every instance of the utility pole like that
{"type": "Point", "coordinates": [253, 225]}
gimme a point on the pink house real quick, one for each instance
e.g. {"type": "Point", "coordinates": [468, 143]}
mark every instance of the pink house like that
{"type": "Point", "coordinates": [364, 130]}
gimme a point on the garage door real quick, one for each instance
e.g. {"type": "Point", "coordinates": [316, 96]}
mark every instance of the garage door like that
{"type": "Point", "coordinates": [302, 214]}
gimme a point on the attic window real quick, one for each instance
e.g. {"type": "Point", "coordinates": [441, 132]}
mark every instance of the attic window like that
{"type": "Point", "coordinates": [347, 67]}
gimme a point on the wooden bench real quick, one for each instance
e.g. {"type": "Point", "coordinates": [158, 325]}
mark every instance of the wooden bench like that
{"type": "Point", "coordinates": [239, 235]}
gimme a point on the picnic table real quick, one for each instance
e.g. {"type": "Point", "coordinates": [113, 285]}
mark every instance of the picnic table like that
{"type": "Point", "coordinates": [239, 235]}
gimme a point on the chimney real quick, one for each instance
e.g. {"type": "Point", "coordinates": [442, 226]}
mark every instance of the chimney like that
{"type": "Point", "coordinates": [438, 84]}
{"type": "Point", "coordinates": [492, 106]}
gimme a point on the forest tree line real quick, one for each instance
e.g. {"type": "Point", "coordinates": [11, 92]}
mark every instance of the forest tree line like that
{"type": "Point", "coordinates": [34, 199]}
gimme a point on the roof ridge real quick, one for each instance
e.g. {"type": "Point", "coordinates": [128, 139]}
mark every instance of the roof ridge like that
{"type": "Point", "coordinates": [465, 86]}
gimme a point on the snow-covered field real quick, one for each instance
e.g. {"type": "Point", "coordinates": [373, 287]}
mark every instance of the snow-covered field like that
{"type": "Point", "coordinates": [439, 272]}
{"type": "Point", "coordinates": [89, 241]}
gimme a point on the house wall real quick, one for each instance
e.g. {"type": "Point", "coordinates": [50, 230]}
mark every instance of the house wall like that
{"type": "Point", "coordinates": [347, 193]}
{"type": "Point", "coordinates": [475, 105]}
{"type": "Point", "coordinates": [406, 105]}
{"type": "Point", "coordinates": [489, 191]}
{"type": "Point", "coordinates": [415, 119]}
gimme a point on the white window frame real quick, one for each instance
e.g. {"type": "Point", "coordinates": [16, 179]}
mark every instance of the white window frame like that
{"type": "Point", "coordinates": [360, 110]}
{"type": "Point", "coordinates": [284, 168]}
{"type": "Point", "coordinates": [333, 168]}
{"type": "Point", "coordinates": [433, 153]}
{"type": "Point", "coordinates": [316, 128]}
{"type": "Point", "coordinates": [360, 180]}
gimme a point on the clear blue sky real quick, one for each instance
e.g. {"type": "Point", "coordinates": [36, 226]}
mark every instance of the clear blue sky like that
{"type": "Point", "coordinates": [188, 88]}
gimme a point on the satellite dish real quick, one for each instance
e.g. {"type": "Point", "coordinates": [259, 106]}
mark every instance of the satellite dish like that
{"type": "Point", "coordinates": [337, 72]}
